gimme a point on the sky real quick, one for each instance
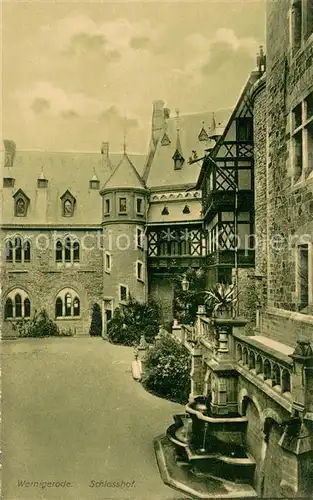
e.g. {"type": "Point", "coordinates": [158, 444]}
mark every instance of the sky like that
{"type": "Point", "coordinates": [78, 73]}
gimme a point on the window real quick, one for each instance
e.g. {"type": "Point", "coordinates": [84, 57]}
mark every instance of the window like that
{"type": "Point", "coordinates": [17, 250]}
{"type": "Point", "coordinates": [108, 262]}
{"type": "Point", "coordinates": [68, 208]}
{"type": "Point", "coordinates": [244, 129]}
{"type": "Point", "coordinates": [303, 277]}
{"type": "Point", "coordinates": [17, 305]}
{"type": "Point", "coordinates": [68, 204]}
{"type": "Point", "coordinates": [140, 270]}
{"type": "Point", "coordinates": [67, 304]}
{"type": "Point", "coordinates": [26, 248]}
{"type": "Point", "coordinates": [139, 237]}
{"type": "Point", "coordinates": [58, 251]}
{"type": "Point", "coordinates": [165, 211]}
{"type": "Point", "coordinates": [107, 207]}
{"type": "Point", "coordinates": [302, 137]}
{"type": "Point", "coordinates": [179, 160]}
{"type": "Point", "coordinates": [67, 250]}
{"type": "Point", "coordinates": [8, 182]}
{"type": "Point", "coordinates": [123, 293]}
{"type": "Point", "coordinates": [301, 18]}
{"type": "Point", "coordinates": [186, 210]}
{"type": "Point", "coordinates": [21, 203]}
{"type": "Point", "coordinates": [122, 205]}
{"type": "Point", "coordinates": [75, 251]}
{"type": "Point", "coordinates": [139, 203]}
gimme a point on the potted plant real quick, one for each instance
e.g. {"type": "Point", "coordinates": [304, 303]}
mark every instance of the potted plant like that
{"type": "Point", "coordinates": [221, 299]}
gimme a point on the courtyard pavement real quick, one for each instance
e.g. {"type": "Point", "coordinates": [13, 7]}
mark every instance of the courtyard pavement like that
{"type": "Point", "coordinates": [76, 425]}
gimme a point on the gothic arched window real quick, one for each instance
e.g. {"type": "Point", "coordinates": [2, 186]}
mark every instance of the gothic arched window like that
{"type": "Point", "coordinates": [8, 312]}
{"type": "Point", "coordinates": [26, 251]}
{"type": "Point", "coordinates": [17, 305]}
{"type": "Point", "coordinates": [67, 304]}
{"type": "Point", "coordinates": [18, 249]}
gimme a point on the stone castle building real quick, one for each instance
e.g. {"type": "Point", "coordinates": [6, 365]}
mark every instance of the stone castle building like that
{"type": "Point", "coordinates": [85, 228]}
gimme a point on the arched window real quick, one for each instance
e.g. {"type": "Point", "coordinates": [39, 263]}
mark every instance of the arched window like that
{"type": "Point", "coordinates": [27, 307]}
{"type": "Point", "coordinates": [9, 251]}
{"type": "Point", "coordinates": [58, 307]}
{"type": "Point", "coordinates": [18, 306]}
{"type": "Point", "coordinates": [67, 304]}
{"type": "Point", "coordinates": [26, 251]}
{"type": "Point", "coordinates": [8, 312]}
{"type": "Point", "coordinates": [76, 251]}
{"type": "Point", "coordinates": [76, 307]}
{"type": "Point", "coordinates": [68, 208]}
{"type": "Point", "coordinates": [58, 251]}
{"type": "Point", "coordinates": [20, 207]}
{"type": "Point", "coordinates": [245, 356]}
{"type": "Point", "coordinates": [67, 245]}
{"type": "Point", "coordinates": [286, 385]}
{"type": "Point", "coordinates": [18, 249]}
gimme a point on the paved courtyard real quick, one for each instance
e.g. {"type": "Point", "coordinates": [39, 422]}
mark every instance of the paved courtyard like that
{"type": "Point", "coordinates": [76, 425]}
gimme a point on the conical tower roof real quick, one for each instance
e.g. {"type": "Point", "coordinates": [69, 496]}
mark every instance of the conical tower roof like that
{"type": "Point", "coordinates": [124, 176]}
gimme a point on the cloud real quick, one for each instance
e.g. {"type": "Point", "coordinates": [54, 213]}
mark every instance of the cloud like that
{"type": "Point", "coordinates": [139, 42]}
{"type": "Point", "coordinates": [44, 97]}
{"type": "Point", "coordinates": [40, 105]}
{"type": "Point", "coordinates": [113, 116]}
{"type": "Point", "coordinates": [212, 54]}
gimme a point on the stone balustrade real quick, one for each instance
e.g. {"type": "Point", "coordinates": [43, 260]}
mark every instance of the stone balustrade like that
{"type": "Point", "coordinates": [272, 368]}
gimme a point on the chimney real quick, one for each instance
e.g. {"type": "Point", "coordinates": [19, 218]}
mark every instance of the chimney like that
{"type": "Point", "coordinates": [158, 120]}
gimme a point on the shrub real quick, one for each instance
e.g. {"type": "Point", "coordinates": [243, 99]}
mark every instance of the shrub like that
{"type": "Point", "coordinates": [167, 370]}
{"type": "Point", "coordinates": [132, 320]}
{"type": "Point", "coordinates": [96, 321]}
{"type": "Point", "coordinates": [40, 325]}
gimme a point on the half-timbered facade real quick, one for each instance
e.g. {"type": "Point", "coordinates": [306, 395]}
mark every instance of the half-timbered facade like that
{"type": "Point", "coordinates": [227, 183]}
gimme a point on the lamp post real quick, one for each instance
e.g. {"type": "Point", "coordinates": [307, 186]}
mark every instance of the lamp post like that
{"type": "Point", "coordinates": [185, 284]}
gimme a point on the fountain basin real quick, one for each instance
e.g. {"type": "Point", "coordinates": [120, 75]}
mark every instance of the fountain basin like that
{"type": "Point", "coordinates": [216, 458]}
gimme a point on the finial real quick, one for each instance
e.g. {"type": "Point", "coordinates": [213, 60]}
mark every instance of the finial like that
{"type": "Point", "coordinates": [124, 141]}
{"type": "Point", "coordinates": [177, 119]}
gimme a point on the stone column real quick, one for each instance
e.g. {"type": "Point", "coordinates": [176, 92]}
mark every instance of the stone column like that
{"type": "Point", "coordinates": [297, 439]}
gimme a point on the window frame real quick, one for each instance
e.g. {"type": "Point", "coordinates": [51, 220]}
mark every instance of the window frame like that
{"type": "Point", "coordinates": [24, 300]}
{"type": "Point", "coordinates": [304, 308]}
{"type": "Point", "coordinates": [107, 268]}
{"type": "Point", "coordinates": [120, 286]}
{"type": "Point", "coordinates": [66, 305]}
{"type": "Point", "coordinates": [120, 211]}
{"type": "Point", "coordinates": [140, 276]}
{"type": "Point", "coordinates": [300, 128]}
{"type": "Point", "coordinates": [141, 211]}
{"type": "Point", "coordinates": [107, 206]}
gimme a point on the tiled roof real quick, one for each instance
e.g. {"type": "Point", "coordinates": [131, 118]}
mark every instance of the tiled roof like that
{"type": "Point", "coordinates": [160, 172]}
{"type": "Point", "coordinates": [63, 171]}
{"type": "Point", "coordinates": [124, 175]}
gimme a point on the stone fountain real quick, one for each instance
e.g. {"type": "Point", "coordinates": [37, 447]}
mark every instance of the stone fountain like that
{"type": "Point", "coordinates": [203, 452]}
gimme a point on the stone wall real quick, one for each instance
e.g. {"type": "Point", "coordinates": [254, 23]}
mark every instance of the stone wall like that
{"type": "Point", "coordinates": [286, 326]}
{"type": "Point", "coordinates": [284, 210]}
{"type": "Point", "coordinates": [43, 278]}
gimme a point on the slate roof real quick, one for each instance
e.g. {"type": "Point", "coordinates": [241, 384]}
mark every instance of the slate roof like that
{"type": "Point", "coordinates": [125, 175]}
{"type": "Point", "coordinates": [160, 170]}
{"type": "Point", "coordinates": [64, 171]}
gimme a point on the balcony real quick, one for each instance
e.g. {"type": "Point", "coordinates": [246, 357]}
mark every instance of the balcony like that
{"type": "Point", "coordinates": [219, 200]}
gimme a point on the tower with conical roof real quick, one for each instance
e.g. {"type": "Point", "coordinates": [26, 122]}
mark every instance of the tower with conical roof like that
{"type": "Point", "coordinates": [124, 202]}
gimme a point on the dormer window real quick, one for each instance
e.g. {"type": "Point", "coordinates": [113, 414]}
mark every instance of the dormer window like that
{"type": "Point", "coordinates": [42, 183]}
{"type": "Point", "coordinates": [165, 141]}
{"type": "Point", "coordinates": [178, 160]}
{"type": "Point", "coordinates": [21, 202]}
{"type": "Point", "coordinates": [203, 136]}
{"type": "Point", "coordinates": [68, 204]}
{"type": "Point", "coordinates": [186, 210]}
{"type": "Point", "coordinates": [8, 182]}
{"type": "Point", "coordinates": [165, 211]}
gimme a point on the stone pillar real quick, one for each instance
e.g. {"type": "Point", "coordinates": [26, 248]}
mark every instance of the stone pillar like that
{"type": "Point", "coordinates": [297, 439]}
{"type": "Point", "coordinates": [196, 377]}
